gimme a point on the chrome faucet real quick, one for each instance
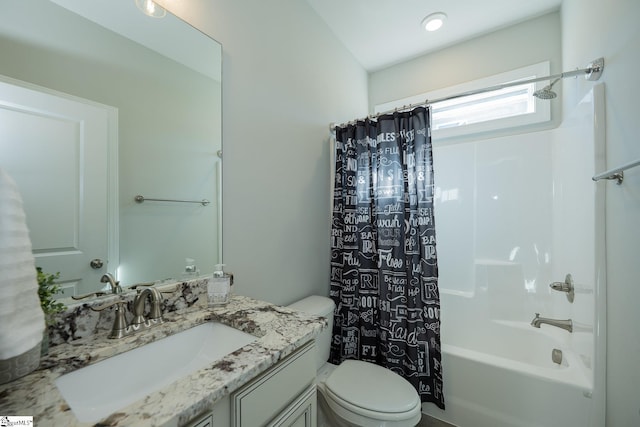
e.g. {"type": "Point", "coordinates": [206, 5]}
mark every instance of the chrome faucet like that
{"type": "Point", "coordinates": [567, 325]}
{"type": "Point", "coordinates": [155, 312]}
{"type": "Point", "coordinates": [115, 286]}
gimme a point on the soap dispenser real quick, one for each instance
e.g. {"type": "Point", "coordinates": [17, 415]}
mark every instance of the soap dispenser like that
{"type": "Point", "coordinates": [218, 289]}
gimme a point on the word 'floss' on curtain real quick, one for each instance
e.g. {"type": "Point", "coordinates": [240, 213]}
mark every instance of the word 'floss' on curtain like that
{"type": "Point", "coordinates": [384, 270]}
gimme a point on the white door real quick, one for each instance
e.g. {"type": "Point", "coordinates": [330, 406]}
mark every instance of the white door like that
{"type": "Point", "coordinates": [58, 150]}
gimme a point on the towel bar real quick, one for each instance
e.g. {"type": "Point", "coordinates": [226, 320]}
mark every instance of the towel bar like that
{"type": "Point", "coordinates": [140, 199]}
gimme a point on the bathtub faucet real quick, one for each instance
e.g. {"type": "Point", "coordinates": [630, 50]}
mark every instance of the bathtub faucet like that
{"type": "Point", "coordinates": [562, 324]}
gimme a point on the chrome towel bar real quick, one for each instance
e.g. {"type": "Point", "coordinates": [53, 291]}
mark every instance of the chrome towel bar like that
{"type": "Point", "coordinates": [616, 173]}
{"type": "Point", "coordinates": [140, 199]}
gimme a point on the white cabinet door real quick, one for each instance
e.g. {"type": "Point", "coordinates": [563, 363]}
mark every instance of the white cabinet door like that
{"type": "Point", "coordinates": [275, 392]}
{"type": "Point", "coordinates": [219, 416]}
{"type": "Point", "coordinates": [301, 413]}
{"type": "Point", "coordinates": [58, 149]}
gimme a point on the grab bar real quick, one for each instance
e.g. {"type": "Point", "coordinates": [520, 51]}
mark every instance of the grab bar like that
{"type": "Point", "coordinates": [140, 199]}
{"type": "Point", "coordinates": [616, 173]}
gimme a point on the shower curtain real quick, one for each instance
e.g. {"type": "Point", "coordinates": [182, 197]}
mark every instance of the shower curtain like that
{"type": "Point", "coordinates": [384, 270]}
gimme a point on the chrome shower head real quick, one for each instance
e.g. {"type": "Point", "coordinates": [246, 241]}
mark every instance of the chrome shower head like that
{"type": "Point", "coordinates": [546, 92]}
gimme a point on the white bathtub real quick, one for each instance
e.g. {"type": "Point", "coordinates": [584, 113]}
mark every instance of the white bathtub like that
{"type": "Point", "coordinates": [514, 214]}
{"type": "Point", "coordinates": [502, 375]}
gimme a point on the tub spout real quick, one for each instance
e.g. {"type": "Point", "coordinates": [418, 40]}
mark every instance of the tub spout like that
{"type": "Point", "coordinates": [567, 325]}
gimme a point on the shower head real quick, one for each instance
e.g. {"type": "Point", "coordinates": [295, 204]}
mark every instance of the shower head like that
{"type": "Point", "coordinates": [546, 92]}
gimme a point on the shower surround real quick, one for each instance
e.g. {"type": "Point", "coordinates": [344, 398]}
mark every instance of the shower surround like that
{"type": "Point", "coordinates": [515, 214]}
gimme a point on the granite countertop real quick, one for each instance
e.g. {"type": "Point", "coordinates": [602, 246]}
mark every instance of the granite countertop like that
{"type": "Point", "coordinates": [280, 332]}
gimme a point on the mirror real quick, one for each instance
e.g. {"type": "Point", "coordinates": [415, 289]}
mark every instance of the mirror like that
{"type": "Point", "coordinates": [161, 81]}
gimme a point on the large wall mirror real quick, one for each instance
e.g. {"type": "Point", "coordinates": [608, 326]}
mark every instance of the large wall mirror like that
{"type": "Point", "coordinates": [100, 103]}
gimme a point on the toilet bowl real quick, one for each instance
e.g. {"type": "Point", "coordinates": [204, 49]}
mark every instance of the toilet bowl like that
{"type": "Point", "coordinates": [357, 393]}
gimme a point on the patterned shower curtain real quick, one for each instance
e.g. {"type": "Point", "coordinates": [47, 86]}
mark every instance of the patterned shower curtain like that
{"type": "Point", "coordinates": [384, 270]}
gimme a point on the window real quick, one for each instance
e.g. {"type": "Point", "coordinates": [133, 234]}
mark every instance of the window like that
{"type": "Point", "coordinates": [511, 107]}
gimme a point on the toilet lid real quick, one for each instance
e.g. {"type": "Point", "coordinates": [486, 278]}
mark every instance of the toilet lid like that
{"type": "Point", "coordinates": [372, 387]}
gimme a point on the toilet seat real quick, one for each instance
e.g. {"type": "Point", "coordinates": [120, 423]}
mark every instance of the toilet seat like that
{"type": "Point", "coordinates": [371, 391]}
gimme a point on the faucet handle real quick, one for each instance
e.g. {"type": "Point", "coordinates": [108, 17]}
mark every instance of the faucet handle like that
{"type": "Point", "coordinates": [107, 305]}
{"type": "Point", "coordinates": [92, 294]}
{"type": "Point", "coordinates": [171, 290]}
{"type": "Point", "coordinates": [566, 286]}
{"type": "Point", "coordinates": [119, 328]}
{"type": "Point", "coordinates": [141, 285]}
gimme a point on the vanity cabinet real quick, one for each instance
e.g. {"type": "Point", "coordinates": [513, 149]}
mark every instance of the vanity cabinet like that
{"type": "Point", "coordinates": [203, 421]}
{"type": "Point", "coordinates": [218, 417]}
{"type": "Point", "coordinates": [301, 413]}
{"type": "Point", "coordinates": [283, 396]}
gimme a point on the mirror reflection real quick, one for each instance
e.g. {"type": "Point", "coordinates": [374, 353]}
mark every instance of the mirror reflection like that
{"type": "Point", "coordinates": [100, 103]}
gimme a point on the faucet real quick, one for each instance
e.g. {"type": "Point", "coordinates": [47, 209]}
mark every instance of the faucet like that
{"type": "Point", "coordinates": [115, 286]}
{"type": "Point", "coordinates": [121, 327]}
{"type": "Point", "coordinates": [562, 324]}
{"type": "Point", "coordinates": [155, 312]}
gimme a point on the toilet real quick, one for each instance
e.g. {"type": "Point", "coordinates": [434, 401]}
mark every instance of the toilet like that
{"type": "Point", "coordinates": [357, 393]}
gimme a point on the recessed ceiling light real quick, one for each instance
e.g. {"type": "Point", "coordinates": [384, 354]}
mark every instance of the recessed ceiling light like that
{"type": "Point", "coordinates": [434, 22]}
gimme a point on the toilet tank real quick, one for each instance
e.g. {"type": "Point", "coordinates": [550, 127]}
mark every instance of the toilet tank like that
{"type": "Point", "coordinates": [319, 306]}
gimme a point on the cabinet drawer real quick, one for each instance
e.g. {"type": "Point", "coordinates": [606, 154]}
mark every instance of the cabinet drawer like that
{"type": "Point", "coordinates": [260, 401]}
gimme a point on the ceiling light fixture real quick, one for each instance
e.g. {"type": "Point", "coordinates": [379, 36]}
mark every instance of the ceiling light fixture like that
{"type": "Point", "coordinates": [150, 8]}
{"type": "Point", "coordinates": [434, 22]}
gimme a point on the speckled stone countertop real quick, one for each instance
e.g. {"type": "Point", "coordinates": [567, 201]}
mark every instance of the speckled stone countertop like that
{"type": "Point", "coordinates": [280, 332]}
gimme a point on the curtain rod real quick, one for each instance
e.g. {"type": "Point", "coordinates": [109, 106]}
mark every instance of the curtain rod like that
{"type": "Point", "coordinates": [592, 72]}
{"type": "Point", "coordinates": [616, 173]}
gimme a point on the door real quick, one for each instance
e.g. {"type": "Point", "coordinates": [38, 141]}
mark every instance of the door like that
{"type": "Point", "coordinates": [61, 151]}
{"type": "Point", "coordinates": [301, 413]}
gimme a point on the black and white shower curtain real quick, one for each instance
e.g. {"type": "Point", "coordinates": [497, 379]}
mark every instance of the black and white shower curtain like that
{"type": "Point", "coordinates": [384, 270]}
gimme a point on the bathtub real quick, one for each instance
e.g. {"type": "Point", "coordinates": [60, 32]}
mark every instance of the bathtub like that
{"type": "Point", "coordinates": [507, 227]}
{"type": "Point", "coordinates": [502, 375]}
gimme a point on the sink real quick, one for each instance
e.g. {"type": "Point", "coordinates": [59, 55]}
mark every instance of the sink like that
{"type": "Point", "coordinates": [98, 390]}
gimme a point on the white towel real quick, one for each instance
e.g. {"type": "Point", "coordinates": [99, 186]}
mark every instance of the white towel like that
{"type": "Point", "coordinates": [21, 317]}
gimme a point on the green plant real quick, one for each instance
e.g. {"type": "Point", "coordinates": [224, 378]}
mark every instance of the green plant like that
{"type": "Point", "coordinates": [47, 288]}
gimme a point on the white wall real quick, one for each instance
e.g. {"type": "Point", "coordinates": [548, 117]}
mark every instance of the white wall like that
{"type": "Point", "coordinates": [285, 68]}
{"type": "Point", "coordinates": [523, 44]}
{"type": "Point", "coordinates": [285, 78]}
{"type": "Point", "coordinates": [591, 29]}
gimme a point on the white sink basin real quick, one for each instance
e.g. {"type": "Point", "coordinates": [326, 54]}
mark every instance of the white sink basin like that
{"type": "Point", "coordinates": [98, 390]}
